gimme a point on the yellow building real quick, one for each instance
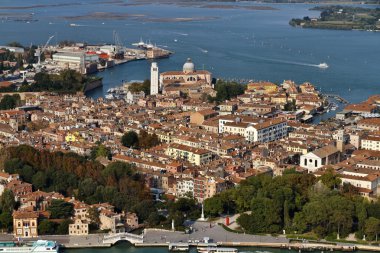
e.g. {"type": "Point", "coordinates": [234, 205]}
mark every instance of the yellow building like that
{"type": "Point", "coordinates": [262, 87]}
{"type": "Point", "coordinates": [196, 156]}
{"type": "Point", "coordinates": [72, 137]}
{"type": "Point", "coordinates": [132, 221]}
{"type": "Point", "coordinates": [25, 224]}
{"type": "Point", "coordinates": [200, 116]}
{"type": "Point", "coordinates": [78, 228]}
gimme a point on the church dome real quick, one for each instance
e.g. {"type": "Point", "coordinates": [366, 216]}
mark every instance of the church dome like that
{"type": "Point", "coordinates": [188, 67]}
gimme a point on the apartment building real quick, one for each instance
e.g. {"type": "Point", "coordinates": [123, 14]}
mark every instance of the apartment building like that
{"type": "Point", "coordinates": [196, 156]}
{"type": "Point", "coordinates": [371, 143]}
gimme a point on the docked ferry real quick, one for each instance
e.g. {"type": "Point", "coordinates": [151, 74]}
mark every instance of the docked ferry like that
{"type": "Point", "coordinates": [40, 246]}
{"type": "Point", "coordinates": [216, 250]}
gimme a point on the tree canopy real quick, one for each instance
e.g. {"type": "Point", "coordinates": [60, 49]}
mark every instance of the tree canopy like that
{"type": "Point", "coordinates": [298, 203]}
{"type": "Point", "coordinates": [227, 90]}
{"type": "Point", "coordinates": [137, 87]}
{"type": "Point", "coordinates": [10, 102]}
{"type": "Point", "coordinates": [74, 175]}
{"type": "Point", "coordinates": [66, 81]}
{"type": "Point", "coordinates": [142, 140]}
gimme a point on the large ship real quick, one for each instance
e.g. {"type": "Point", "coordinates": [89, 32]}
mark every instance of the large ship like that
{"type": "Point", "coordinates": [40, 246]}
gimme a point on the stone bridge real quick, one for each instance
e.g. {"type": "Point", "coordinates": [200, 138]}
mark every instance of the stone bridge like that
{"type": "Point", "coordinates": [114, 238]}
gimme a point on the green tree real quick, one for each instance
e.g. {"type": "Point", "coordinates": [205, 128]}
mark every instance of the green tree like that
{"type": "Point", "coordinates": [155, 219]}
{"type": "Point", "coordinates": [372, 228]}
{"type": "Point", "coordinates": [63, 227]}
{"type": "Point", "coordinates": [93, 216]}
{"type": "Point", "coordinates": [146, 140]}
{"type": "Point", "coordinates": [144, 209]}
{"type": "Point", "coordinates": [226, 90]}
{"type": "Point", "coordinates": [130, 139]}
{"type": "Point", "coordinates": [137, 87]}
{"type": "Point", "coordinates": [60, 209]}
{"type": "Point", "coordinates": [39, 180]}
{"type": "Point", "coordinates": [10, 102]}
{"type": "Point", "coordinates": [6, 221]}
{"type": "Point", "coordinates": [214, 206]}
{"type": "Point", "coordinates": [46, 227]}
{"type": "Point", "coordinates": [100, 151]}
{"type": "Point", "coordinates": [7, 201]}
{"type": "Point", "coordinates": [330, 179]}
{"type": "Point", "coordinates": [15, 44]}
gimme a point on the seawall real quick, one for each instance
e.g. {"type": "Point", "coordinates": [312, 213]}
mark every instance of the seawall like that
{"type": "Point", "coordinates": [93, 85]}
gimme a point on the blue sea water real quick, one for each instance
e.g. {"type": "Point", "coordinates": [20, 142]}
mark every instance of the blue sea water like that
{"type": "Point", "coordinates": [231, 43]}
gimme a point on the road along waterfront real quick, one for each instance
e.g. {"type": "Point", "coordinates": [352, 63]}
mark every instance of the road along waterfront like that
{"type": "Point", "coordinates": [157, 240]}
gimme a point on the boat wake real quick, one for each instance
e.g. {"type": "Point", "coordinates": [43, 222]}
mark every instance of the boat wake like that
{"type": "Point", "coordinates": [183, 34]}
{"type": "Point", "coordinates": [321, 65]}
{"type": "Point", "coordinates": [77, 25]}
{"type": "Point", "coordinates": [203, 50]}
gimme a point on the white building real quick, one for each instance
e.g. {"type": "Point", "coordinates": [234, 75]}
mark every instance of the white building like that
{"type": "Point", "coordinates": [365, 182]}
{"type": "Point", "coordinates": [254, 130]}
{"type": "Point", "coordinates": [267, 131]}
{"type": "Point", "coordinates": [318, 158]}
{"type": "Point", "coordinates": [371, 143]}
{"type": "Point", "coordinates": [154, 81]}
{"type": "Point", "coordinates": [71, 60]}
{"type": "Point", "coordinates": [133, 97]}
{"type": "Point", "coordinates": [185, 187]}
{"type": "Point", "coordinates": [17, 50]}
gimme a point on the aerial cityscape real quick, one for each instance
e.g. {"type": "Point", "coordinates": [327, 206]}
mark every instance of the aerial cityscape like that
{"type": "Point", "coordinates": [189, 125]}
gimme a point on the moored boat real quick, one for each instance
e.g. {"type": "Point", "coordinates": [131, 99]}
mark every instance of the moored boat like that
{"type": "Point", "coordinates": [216, 250]}
{"type": "Point", "coordinates": [40, 246]}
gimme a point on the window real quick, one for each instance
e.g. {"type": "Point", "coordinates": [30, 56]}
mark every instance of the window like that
{"type": "Point", "coordinates": [315, 163]}
{"type": "Point", "coordinates": [305, 161]}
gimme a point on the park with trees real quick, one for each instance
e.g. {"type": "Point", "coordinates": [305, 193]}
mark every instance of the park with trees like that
{"type": "Point", "coordinates": [300, 204]}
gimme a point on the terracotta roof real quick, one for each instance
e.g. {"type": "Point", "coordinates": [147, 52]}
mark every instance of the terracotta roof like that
{"type": "Point", "coordinates": [25, 215]}
{"type": "Point", "coordinates": [325, 151]}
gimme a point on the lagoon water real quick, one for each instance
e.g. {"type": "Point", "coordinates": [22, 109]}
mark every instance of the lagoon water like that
{"type": "Point", "coordinates": [231, 43]}
{"type": "Point", "coordinates": [127, 248]}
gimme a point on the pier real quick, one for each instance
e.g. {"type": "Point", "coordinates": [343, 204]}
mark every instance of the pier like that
{"type": "Point", "coordinates": [337, 97]}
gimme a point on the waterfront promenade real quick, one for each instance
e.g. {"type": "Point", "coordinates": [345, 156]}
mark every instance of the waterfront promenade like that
{"type": "Point", "coordinates": [215, 233]}
{"type": "Point", "coordinates": [201, 230]}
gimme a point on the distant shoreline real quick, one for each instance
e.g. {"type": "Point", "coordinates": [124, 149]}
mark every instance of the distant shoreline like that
{"type": "Point", "coordinates": [192, 3]}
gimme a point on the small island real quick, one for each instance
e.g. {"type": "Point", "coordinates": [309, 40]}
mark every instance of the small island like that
{"type": "Point", "coordinates": [341, 18]}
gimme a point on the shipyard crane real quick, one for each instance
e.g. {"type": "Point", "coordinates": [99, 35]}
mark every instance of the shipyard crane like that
{"type": "Point", "coordinates": [119, 48]}
{"type": "Point", "coordinates": [40, 51]}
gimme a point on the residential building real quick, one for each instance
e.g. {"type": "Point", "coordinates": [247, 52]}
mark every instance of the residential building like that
{"type": "Point", "coordinates": [25, 224]}
{"type": "Point", "coordinates": [267, 131]}
{"type": "Point", "coordinates": [371, 142]}
{"type": "Point", "coordinates": [197, 156]}
{"type": "Point", "coordinates": [132, 221]}
{"type": "Point", "coordinates": [318, 158]}
{"type": "Point", "coordinates": [78, 228]}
